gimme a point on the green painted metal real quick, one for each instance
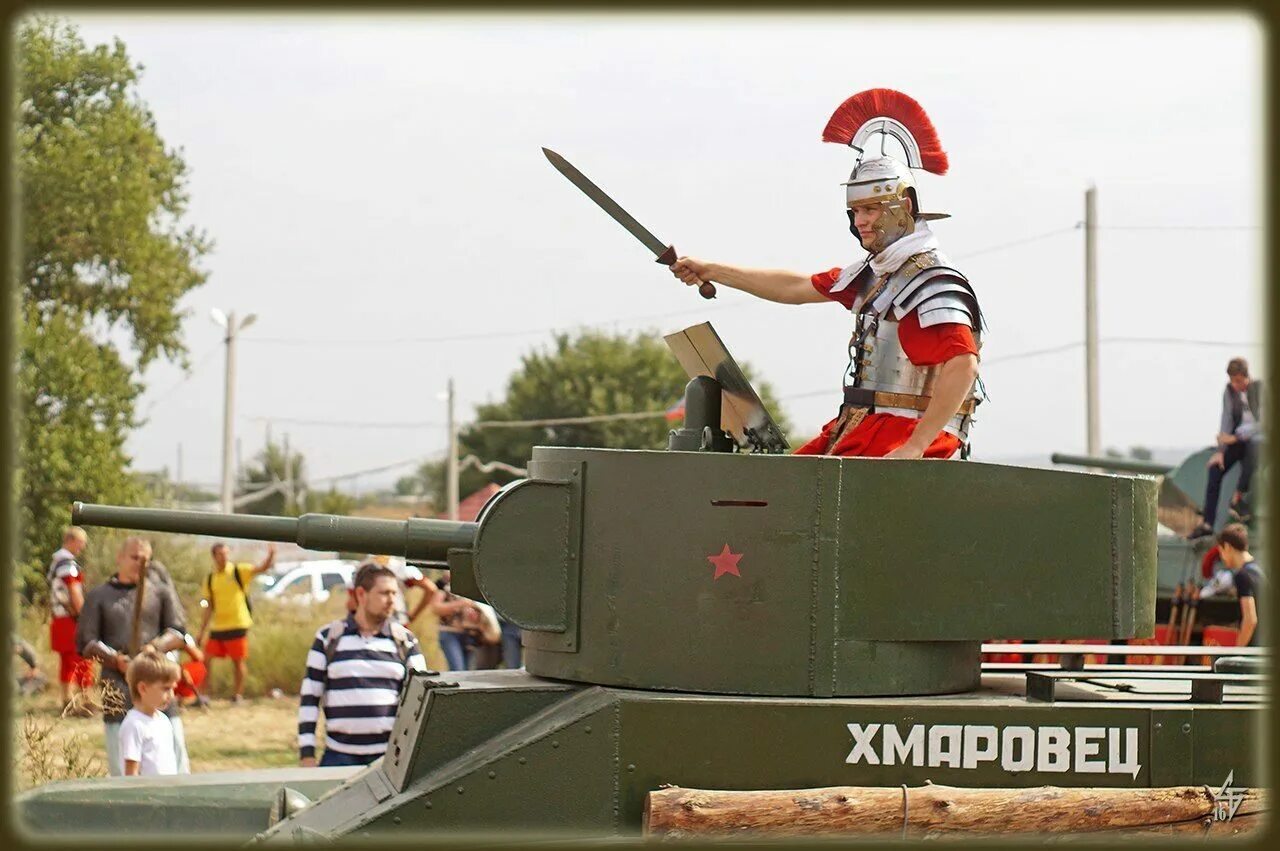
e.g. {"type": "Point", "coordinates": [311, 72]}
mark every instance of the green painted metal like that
{"type": "Point", "coordinates": [1119, 465]}
{"type": "Point", "coordinates": [829, 598]}
{"type": "Point", "coordinates": [773, 575]}
{"type": "Point", "coordinates": [223, 804]}
{"type": "Point", "coordinates": [415, 539]}
{"type": "Point", "coordinates": [492, 752]}
{"type": "Point", "coordinates": [724, 620]}
{"type": "Point", "coordinates": [583, 762]}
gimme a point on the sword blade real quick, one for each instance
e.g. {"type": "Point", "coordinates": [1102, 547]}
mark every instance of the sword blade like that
{"type": "Point", "coordinates": [595, 193]}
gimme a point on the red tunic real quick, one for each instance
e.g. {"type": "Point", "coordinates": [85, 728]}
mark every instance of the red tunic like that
{"type": "Point", "coordinates": [879, 434]}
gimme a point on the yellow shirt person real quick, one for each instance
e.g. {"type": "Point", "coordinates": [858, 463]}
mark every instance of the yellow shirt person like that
{"type": "Point", "coordinates": [226, 600]}
{"type": "Point", "coordinates": [230, 604]}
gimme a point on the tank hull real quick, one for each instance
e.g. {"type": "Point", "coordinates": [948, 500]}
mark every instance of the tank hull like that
{"type": "Point", "coordinates": [582, 761]}
{"type": "Point", "coordinates": [505, 752]}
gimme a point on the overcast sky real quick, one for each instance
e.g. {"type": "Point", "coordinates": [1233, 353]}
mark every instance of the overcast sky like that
{"type": "Point", "coordinates": [374, 183]}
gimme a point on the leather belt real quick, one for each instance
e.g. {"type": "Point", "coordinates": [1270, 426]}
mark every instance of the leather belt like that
{"type": "Point", "coordinates": [863, 397]}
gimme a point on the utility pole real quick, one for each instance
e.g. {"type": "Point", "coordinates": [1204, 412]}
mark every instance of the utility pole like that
{"type": "Point", "coordinates": [232, 328]}
{"type": "Point", "coordinates": [288, 475]}
{"type": "Point", "coordinates": [451, 471]}
{"type": "Point", "coordinates": [1092, 413]}
{"type": "Point", "coordinates": [179, 476]}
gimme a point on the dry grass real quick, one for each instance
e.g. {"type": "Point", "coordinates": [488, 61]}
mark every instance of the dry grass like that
{"type": "Point", "coordinates": [223, 737]}
{"type": "Point", "coordinates": [261, 732]}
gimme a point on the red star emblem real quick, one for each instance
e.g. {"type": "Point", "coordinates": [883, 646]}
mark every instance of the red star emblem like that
{"type": "Point", "coordinates": [726, 562]}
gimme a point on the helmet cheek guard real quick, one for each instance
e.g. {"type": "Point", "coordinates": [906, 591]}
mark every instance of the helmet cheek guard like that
{"type": "Point", "coordinates": [884, 181]}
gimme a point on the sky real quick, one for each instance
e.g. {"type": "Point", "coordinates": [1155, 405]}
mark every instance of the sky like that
{"type": "Point", "coordinates": [377, 196]}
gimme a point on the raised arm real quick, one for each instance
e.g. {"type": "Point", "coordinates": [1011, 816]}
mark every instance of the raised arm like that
{"type": "Point", "coordinates": [770, 284]}
{"type": "Point", "coordinates": [266, 562]}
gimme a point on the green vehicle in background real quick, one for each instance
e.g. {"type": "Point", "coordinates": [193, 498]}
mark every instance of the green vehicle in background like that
{"type": "Point", "coordinates": [1179, 508]}
{"type": "Point", "coordinates": [720, 619]}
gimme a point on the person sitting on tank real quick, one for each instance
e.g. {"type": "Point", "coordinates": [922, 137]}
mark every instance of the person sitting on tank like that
{"type": "Point", "coordinates": [1250, 582]}
{"type": "Point", "coordinates": [911, 383]}
{"type": "Point", "coordinates": [1239, 442]}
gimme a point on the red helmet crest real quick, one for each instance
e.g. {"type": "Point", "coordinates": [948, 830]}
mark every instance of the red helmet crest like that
{"type": "Point", "coordinates": [878, 110]}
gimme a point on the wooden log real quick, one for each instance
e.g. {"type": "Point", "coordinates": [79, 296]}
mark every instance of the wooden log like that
{"type": "Point", "coordinates": [933, 810]}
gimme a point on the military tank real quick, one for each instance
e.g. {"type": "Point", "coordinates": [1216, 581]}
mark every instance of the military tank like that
{"type": "Point", "coordinates": [1179, 509]}
{"type": "Point", "coordinates": [717, 618]}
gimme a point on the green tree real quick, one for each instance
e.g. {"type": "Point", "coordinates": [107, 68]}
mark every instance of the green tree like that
{"type": "Point", "coordinates": [591, 374]}
{"type": "Point", "coordinates": [272, 468]}
{"type": "Point", "coordinates": [332, 501]}
{"type": "Point", "coordinates": [104, 261]}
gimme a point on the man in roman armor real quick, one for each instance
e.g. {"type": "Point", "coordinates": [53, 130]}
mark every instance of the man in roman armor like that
{"type": "Point", "coordinates": [911, 384]}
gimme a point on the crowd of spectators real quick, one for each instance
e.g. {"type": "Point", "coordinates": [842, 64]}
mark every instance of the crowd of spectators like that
{"type": "Point", "coordinates": [132, 628]}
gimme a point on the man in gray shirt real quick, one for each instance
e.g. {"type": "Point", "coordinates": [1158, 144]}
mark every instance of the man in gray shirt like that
{"type": "Point", "coordinates": [113, 628]}
{"type": "Point", "coordinates": [1239, 438]}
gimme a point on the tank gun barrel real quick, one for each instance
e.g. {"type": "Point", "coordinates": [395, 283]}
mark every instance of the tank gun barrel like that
{"type": "Point", "coordinates": [1120, 465]}
{"type": "Point", "coordinates": [416, 539]}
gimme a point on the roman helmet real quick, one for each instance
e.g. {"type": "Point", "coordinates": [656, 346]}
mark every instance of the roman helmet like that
{"type": "Point", "coordinates": [884, 180]}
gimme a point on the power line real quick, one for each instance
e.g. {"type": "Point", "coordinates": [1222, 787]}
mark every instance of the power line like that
{"type": "Point", "coordinates": [1177, 227]}
{"type": "Point", "coordinates": [346, 423]}
{"type": "Point", "coordinates": [485, 335]}
{"type": "Point", "coordinates": [191, 374]}
{"type": "Point", "coordinates": [639, 415]}
{"type": "Point", "coordinates": [384, 468]}
{"type": "Point", "coordinates": [1077, 226]}
{"type": "Point", "coordinates": [599, 418]}
{"type": "Point", "coordinates": [1183, 341]}
{"type": "Point", "coordinates": [1066, 347]}
{"type": "Point", "coordinates": [1002, 246]}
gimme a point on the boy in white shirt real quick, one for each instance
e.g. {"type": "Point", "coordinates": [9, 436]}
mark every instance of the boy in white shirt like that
{"type": "Point", "coordinates": [146, 736]}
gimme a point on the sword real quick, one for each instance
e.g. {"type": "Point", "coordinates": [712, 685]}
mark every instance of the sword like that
{"type": "Point", "coordinates": [666, 254]}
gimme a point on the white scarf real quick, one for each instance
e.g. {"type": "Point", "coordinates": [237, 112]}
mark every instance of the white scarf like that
{"type": "Point", "coordinates": [894, 255]}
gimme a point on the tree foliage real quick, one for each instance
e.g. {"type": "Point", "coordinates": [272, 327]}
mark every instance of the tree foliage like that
{"type": "Point", "coordinates": [591, 374]}
{"type": "Point", "coordinates": [274, 467]}
{"type": "Point", "coordinates": [104, 261]}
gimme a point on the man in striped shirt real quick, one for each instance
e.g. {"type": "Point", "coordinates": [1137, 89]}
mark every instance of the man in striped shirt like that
{"type": "Point", "coordinates": [355, 670]}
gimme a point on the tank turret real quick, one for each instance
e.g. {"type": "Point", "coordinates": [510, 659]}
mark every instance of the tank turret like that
{"type": "Point", "coordinates": [774, 575]}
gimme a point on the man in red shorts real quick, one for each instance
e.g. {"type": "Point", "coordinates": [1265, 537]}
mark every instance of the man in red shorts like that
{"type": "Point", "coordinates": [226, 601]}
{"type": "Point", "coordinates": [66, 599]}
{"type": "Point", "coordinates": [911, 385]}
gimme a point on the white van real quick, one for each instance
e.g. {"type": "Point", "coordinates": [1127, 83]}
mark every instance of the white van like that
{"type": "Point", "coordinates": [305, 581]}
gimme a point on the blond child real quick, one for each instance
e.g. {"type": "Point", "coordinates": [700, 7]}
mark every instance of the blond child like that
{"type": "Point", "coordinates": [146, 735]}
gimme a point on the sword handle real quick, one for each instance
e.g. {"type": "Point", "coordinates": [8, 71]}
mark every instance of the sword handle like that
{"type": "Point", "coordinates": [706, 289]}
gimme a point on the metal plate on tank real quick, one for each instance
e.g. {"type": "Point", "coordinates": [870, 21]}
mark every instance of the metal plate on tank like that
{"type": "Point", "coordinates": [701, 352]}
